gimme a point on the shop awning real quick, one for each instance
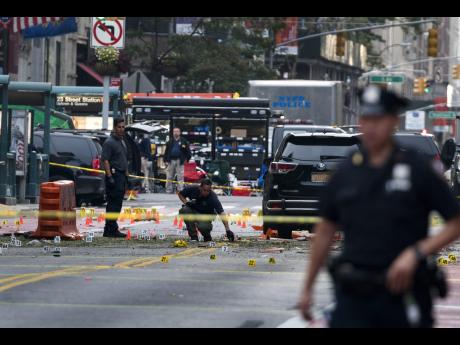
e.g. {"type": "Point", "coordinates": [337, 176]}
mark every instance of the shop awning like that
{"type": "Point", "coordinates": [91, 72]}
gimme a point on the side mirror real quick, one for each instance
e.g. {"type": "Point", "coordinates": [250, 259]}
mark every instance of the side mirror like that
{"type": "Point", "coordinates": [448, 153]}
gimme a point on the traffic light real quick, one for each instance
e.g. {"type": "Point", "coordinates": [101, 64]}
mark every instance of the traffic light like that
{"type": "Point", "coordinates": [340, 45]}
{"type": "Point", "coordinates": [428, 85]}
{"type": "Point", "coordinates": [433, 42]}
{"type": "Point", "coordinates": [419, 86]}
{"type": "Point", "coordinates": [456, 72]}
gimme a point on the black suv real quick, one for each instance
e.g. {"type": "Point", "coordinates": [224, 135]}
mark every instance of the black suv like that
{"type": "Point", "coordinates": [423, 143]}
{"type": "Point", "coordinates": [78, 150]}
{"type": "Point", "coordinates": [298, 173]}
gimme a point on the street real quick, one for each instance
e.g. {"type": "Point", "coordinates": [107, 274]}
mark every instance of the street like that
{"type": "Point", "coordinates": [89, 281]}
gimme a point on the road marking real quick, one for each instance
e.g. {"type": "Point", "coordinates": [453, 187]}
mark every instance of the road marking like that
{"type": "Point", "coordinates": [294, 322]}
{"type": "Point", "coordinates": [22, 279]}
{"type": "Point", "coordinates": [447, 306]}
{"type": "Point", "coordinates": [167, 307]}
{"type": "Point", "coordinates": [36, 277]}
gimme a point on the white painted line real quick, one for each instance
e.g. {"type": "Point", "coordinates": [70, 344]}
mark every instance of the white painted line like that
{"type": "Point", "coordinates": [228, 206]}
{"type": "Point", "coordinates": [256, 207]}
{"type": "Point", "coordinates": [447, 306]}
{"type": "Point", "coordinates": [294, 322]}
{"type": "Point", "coordinates": [159, 207]}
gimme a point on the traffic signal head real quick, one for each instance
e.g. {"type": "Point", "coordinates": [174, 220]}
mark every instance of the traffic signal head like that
{"type": "Point", "coordinates": [420, 85]}
{"type": "Point", "coordinates": [340, 45]}
{"type": "Point", "coordinates": [433, 42]}
{"type": "Point", "coordinates": [428, 86]}
{"type": "Point", "coordinates": [456, 72]}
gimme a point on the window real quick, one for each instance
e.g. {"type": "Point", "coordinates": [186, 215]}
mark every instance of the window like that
{"type": "Point", "coordinates": [319, 148]}
{"type": "Point", "coordinates": [73, 147]}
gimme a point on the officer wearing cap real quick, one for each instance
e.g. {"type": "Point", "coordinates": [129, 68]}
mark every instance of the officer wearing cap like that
{"type": "Point", "coordinates": [380, 198]}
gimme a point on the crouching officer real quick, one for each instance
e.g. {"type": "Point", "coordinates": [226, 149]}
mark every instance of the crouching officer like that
{"type": "Point", "coordinates": [202, 201]}
{"type": "Point", "coordinates": [381, 197]}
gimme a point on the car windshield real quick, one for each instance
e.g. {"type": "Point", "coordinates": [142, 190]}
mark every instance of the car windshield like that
{"type": "Point", "coordinates": [422, 144]}
{"type": "Point", "coordinates": [318, 148]}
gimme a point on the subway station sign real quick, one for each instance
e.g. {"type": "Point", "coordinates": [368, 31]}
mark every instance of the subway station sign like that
{"type": "Point", "coordinates": [80, 103]}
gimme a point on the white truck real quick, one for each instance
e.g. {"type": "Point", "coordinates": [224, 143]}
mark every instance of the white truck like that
{"type": "Point", "coordinates": [316, 100]}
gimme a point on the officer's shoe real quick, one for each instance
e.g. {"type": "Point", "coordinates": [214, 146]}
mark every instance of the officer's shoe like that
{"type": "Point", "coordinates": [114, 234]}
{"type": "Point", "coordinates": [194, 238]}
{"type": "Point", "coordinates": [207, 238]}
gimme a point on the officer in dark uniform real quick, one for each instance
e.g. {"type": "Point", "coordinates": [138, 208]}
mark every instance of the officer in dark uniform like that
{"type": "Point", "coordinates": [115, 160]}
{"type": "Point", "coordinates": [380, 198]}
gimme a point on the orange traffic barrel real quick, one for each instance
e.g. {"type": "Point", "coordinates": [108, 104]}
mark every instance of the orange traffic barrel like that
{"type": "Point", "coordinates": [57, 215]}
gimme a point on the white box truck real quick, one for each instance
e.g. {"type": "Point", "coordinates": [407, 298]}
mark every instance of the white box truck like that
{"type": "Point", "coordinates": [316, 100]}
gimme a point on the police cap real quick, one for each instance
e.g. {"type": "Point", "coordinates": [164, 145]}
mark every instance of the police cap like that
{"type": "Point", "coordinates": [377, 101]}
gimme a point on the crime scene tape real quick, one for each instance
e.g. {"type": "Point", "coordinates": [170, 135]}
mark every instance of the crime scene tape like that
{"type": "Point", "coordinates": [154, 178]}
{"type": "Point", "coordinates": [186, 217]}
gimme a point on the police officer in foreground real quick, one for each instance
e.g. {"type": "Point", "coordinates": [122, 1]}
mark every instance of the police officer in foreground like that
{"type": "Point", "coordinates": [380, 198]}
{"type": "Point", "coordinates": [115, 160]}
{"type": "Point", "coordinates": [202, 201]}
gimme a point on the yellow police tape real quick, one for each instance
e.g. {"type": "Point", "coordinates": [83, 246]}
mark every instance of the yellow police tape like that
{"type": "Point", "coordinates": [153, 178]}
{"type": "Point", "coordinates": [143, 216]}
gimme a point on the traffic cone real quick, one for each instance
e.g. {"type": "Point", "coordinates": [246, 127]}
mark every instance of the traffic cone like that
{"type": "Point", "coordinates": [132, 220]}
{"type": "Point", "coordinates": [181, 223]}
{"type": "Point", "coordinates": [243, 226]}
{"type": "Point", "coordinates": [238, 222]}
{"type": "Point", "coordinates": [128, 235]}
{"type": "Point", "coordinates": [89, 221]}
{"type": "Point", "coordinates": [21, 220]}
{"type": "Point", "coordinates": [157, 218]}
{"type": "Point", "coordinates": [175, 221]}
{"type": "Point", "coordinates": [148, 215]}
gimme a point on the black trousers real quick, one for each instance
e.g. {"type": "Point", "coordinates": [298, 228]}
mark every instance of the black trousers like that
{"type": "Point", "coordinates": [378, 310]}
{"type": "Point", "coordinates": [115, 196]}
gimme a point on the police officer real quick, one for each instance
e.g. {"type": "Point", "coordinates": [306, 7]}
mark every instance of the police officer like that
{"type": "Point", "coordinates": [202, 201]}
{"type": "Point", "coordinates": [115, 159]}
{"type": "Point", "coordinates": [380, 198]}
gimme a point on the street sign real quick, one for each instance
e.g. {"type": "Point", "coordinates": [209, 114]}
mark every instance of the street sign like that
{"type": "Point", "coordinates": [415, 120]}
{"type": "Point", "coordinates": [380, 79]}
{"type": "Point", "coordinates": [108, 32]}
{"type": "Point", "coordinates": [442, 114]}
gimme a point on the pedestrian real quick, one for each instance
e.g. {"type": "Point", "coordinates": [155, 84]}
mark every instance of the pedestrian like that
{"type": "Point", "coordinates": [381, 198]}
{"type": "Point", "coordinates": [115, 160]}
{"type": "Point", "coordinates": [176, 154]}
{"type": "Point", "coordinates": [202, 201]}
{"type": "Point", "coordinates": [146, 156]}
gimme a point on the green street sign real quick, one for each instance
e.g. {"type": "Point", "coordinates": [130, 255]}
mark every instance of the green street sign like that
{"type": "Point", "coordinates": [387, 79]}
{"type": "Point", "coordinates": [442, 114]}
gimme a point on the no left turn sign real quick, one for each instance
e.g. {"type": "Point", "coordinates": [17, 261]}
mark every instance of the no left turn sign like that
{"type": "Point", "coordinates": [108, 32]}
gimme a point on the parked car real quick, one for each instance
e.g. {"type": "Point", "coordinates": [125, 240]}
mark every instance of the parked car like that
{"type": "Point", "coordinates": [421, 142]}
{"type": "Point", "coordinates": [83, 148]}
{"type": "Point", "coordinates": [77, 150]}
{"type": "Point", "coordinates": [299, 172]}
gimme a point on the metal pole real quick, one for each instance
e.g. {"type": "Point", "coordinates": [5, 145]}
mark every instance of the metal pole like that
{"type": "Point", "coordinates": [355, 29]}
{"type": "Point", "coordinates": [5, 50]}
{"type": "Point", "coordinates": [4, 141]}
{"type": "Point", "coordinates": [105, 104]}
{"type": "Point", "coordinates": [46, 134]}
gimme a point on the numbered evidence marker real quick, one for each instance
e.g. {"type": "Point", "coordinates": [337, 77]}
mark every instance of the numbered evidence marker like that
{"type": "Point", "coordinates": [212, 257]}
{"type": "Point", "coordinates": [57, 239]}
{"type": "Point", "coordinates": [252, 262]}
{"type": "Point", "coordinates": [212, 244]}
{"type": "Point", "coordinates": [272, 261]}
{"type": "Point", "coordinates": [46, 249]}
{"type": "Point", "coordinates": [165, 259]}
{"type": "Point", "coordinates": [18, 243]}
{"type": "Point", "coordinates": [161, 236]}
{"type": "Point", "coordinates": [88, 239]}
{"type": "Point", "coordinates": [225, 249]}
{"type": "Point", "coordinates": [443, 261]}
{"type": "Point", "coordinates": [57, 251]}
{"type": "Point", "coordinates": [452, 258]}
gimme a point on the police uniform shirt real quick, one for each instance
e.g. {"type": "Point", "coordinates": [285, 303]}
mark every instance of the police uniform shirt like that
{"type": "Point", "coordinates": [208, 205]}
{"type": "Point", "coordinates": [115, 151]}
{"type": "Point", "coordinates": [383, 210]}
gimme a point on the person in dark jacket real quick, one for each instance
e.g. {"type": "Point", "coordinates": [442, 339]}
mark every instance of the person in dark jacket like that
{"type": "Point", "coordinates": [176, 154]}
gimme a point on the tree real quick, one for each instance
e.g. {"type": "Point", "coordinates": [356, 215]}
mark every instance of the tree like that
{"type": "Point", "coordinates": [221, 52]}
